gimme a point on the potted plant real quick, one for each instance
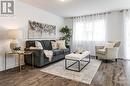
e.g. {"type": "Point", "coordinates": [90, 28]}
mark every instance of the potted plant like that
{"type": "Point", "coordinates": [66, 34]}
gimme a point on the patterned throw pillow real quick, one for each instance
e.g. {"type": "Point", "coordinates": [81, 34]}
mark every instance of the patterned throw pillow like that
{"type": "Point", "coordinates": [38, 45]}
{"type": "Point", "coordinates": [54, 45]}
{"type": "Point", "coordinates": [61, 44]}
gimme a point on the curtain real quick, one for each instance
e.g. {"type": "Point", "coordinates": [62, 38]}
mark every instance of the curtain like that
{"type": "Point", "coordinates": [126, 33]}
{"type": "Point", "coordinates": [89, 31]}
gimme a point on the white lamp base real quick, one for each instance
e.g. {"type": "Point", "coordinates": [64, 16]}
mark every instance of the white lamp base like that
{"type": "Point", "coordinates": [13, 44]}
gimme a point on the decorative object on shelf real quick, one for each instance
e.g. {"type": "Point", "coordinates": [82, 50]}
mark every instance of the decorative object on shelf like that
{"type": "Point", "coordinates": [14, 35]}
{"type": "Point", "coordinates": [39, 30]}
{"type": "Point", "coordinates": [17, 48]}
{"type": "Point", "coordinates": [79, 50]}
{"type": "Point", "coordinates": [66, 34]}
{"type": "Point", "coordinates": [13, 45]}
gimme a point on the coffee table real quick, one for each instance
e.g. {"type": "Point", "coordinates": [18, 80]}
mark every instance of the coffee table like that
{"type": "Point", "coordinates": [77, 58]}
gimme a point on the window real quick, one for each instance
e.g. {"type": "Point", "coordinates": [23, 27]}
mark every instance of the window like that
{"type": "Point", "coordinates": [90, 30]}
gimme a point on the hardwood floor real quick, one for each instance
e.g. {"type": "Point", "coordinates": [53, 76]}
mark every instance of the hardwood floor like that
{"type": "Point", "coordinates": [109, 74]}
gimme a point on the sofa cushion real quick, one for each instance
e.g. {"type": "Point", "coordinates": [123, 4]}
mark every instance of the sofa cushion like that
{"type": "Point", "coordinates": [30, 44]}
{"type": "Point", "coordinates": [66, 50]}
{"type": "Point", "coordinates": [57, 52]}
{"type": "Point", "coordinates": [46, 44]}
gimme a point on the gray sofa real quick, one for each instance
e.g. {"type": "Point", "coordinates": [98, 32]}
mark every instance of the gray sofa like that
{"type": "Point", "coordinates": [39, 57]}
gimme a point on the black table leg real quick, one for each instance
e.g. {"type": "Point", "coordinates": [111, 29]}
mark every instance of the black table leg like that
{"type": "Point", "coordinates": [79, 66]}
{"type": "Point", "coordinates": [65, 63]}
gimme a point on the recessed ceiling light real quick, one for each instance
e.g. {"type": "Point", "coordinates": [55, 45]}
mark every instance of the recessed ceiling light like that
{"type": "Point", "coordinates": [62, 0]}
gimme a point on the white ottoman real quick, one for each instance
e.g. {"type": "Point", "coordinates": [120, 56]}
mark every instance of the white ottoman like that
{"type": "Point", "coordinates": [77, 58]}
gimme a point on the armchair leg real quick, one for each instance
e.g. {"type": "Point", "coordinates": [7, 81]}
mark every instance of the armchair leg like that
{"type": "Point", "coordinates": [96, 57]}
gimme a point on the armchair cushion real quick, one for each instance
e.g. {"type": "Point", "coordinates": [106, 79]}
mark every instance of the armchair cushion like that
{"type": "Point", "coordinates": [98, 47]}
{"type": "Point", "coordinates": [101, 51]}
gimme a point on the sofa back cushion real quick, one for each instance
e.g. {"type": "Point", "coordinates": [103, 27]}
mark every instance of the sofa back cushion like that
{"type": "Point", "coordinates": [30, 44]}
{"type": "Point", "coordinates": [46, 44]}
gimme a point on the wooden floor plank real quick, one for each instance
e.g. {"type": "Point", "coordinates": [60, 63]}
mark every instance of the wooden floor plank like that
{"type": "Point", "coordinates": [108, 74]}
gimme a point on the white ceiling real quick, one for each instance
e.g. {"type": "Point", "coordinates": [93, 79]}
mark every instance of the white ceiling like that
{"type": "Point", "coordinates": [70, 8]}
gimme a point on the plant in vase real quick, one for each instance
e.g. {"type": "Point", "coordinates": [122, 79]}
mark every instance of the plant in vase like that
{"type": "Point", "coordinates": [66, 34]}
{"type": "Point", "coordinates": [17, 49]}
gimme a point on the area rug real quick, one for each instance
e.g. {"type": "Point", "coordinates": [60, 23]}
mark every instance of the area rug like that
{"type": "Point", "coordinates": [85, 76]}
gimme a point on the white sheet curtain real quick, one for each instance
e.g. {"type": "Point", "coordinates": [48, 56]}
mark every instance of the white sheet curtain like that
{"type": "Point", "coordinates": [89, 31]}
{"type": "Point", "coordinates": [126, 33]}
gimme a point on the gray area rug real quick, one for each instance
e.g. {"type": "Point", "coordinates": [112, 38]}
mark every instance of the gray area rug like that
{"type": "Point", "coordinates": [85, 76]}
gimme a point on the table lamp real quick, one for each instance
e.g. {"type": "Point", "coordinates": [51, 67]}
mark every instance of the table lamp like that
{"type": "Point", "coordinates": [14, 35]}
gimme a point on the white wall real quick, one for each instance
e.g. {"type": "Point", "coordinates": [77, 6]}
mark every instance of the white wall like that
{"type": "Point", "coordinates": [23, 13]}
{"type": "Point", "coordinates": [114, 28]}
{"type": "Point", "coordinates": [68, 22]}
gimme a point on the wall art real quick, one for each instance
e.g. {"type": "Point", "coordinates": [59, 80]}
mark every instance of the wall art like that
{"type": "Point", "coordinates": [38, 30]}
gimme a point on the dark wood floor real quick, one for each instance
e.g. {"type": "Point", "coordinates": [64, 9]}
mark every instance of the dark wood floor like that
{"type": "Point", "coordinates": [109, 74]}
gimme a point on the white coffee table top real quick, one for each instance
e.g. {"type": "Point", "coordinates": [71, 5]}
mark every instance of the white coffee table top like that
{"type": "Point", "coordinates": [75, 56]}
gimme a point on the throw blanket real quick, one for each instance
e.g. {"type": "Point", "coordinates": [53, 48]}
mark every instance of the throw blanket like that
{"type": "Point", "coordinates": [48, 54]}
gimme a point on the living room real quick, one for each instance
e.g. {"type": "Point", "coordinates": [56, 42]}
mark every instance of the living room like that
{"type": "Point", "coordinates": [64, 43]}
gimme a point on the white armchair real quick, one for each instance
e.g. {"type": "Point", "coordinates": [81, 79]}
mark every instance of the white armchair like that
{"type": "Point", "coordinates": [109, 51]}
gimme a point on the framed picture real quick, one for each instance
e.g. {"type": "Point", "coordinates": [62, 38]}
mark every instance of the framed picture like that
{"type": "Point", "coordinates": [38, 30]}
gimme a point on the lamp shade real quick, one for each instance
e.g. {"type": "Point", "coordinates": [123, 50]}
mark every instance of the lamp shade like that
{"type": "Point", "coordinates": [14, 34]}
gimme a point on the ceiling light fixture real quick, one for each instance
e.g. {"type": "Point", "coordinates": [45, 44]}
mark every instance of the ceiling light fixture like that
{"type": "Point", "coordinates": [62, 0]}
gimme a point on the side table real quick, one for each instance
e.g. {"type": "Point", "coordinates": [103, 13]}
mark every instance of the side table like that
{"type": "Point", "coordinates": [19, 53]}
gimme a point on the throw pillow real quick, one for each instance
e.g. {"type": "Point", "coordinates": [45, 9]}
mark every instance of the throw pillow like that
{"type": "Point", "coordinates": [61, 44]}
{"type": "Point", "coordinates": [54, 45]}
{"type": "Point", "coordinates": [33, 48]}
{"type": "Point", "coordinates": [38, 45]}
{"type": "Point", "coordinates": [109, 45]}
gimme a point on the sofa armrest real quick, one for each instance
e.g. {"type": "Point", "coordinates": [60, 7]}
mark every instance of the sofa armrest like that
{"type": "Point", "coordinates": [35, 51]}
{"type": "Point", "coordinates": [38, 55]}
{"type": "Point", "coordinates": [28, 49]}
